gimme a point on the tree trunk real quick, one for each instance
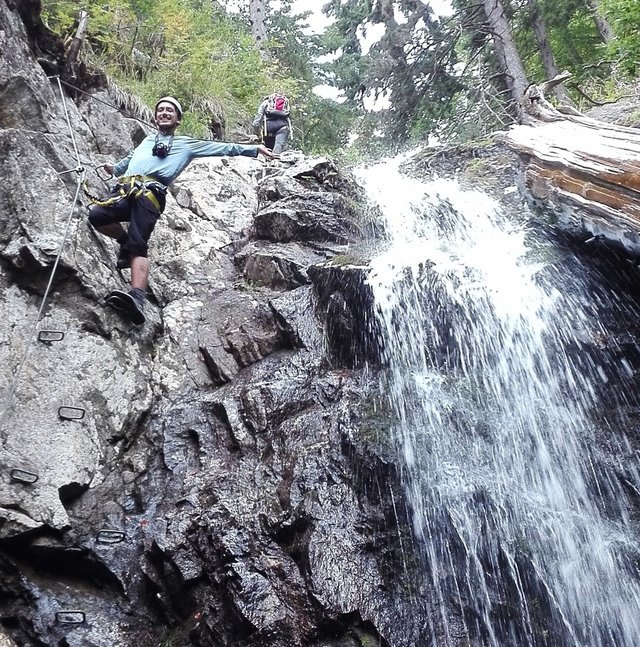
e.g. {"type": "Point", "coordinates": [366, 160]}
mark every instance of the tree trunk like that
{"type": "Point", "coordinates": [384, 11]}
{"type": "Point", "coordinates": [508, 57]}
{"type": "Point", "coordinates": [546, 54]}
{"type": "Point", "coordinates": [76, 45]}
{"type": "Point", "coordinates": [257, 12]}
{"type": "Point", "coordinates": [403, 92]}
{"type": "Point", "coordinates": [602, 24]}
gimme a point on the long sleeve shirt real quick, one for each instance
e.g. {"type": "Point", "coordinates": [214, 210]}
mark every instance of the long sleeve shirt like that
{"type": "Point", "coordinates": [141, 160]}
{"type": "Point", "coordinates": [257, 120]}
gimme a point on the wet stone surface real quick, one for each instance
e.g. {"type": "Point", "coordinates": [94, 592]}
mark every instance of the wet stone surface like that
{"type": "Point", "coordinates": [219, 487]}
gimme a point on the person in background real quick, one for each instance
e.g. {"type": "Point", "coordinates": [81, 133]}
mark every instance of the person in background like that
{"type": "Point", "coordinates": [272, 122]}
{"type": "Point", "coordinates": [139, 196]}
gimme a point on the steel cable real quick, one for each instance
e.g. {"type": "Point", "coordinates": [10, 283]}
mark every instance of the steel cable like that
{"type": "Point", "coordinates": [80, 170]}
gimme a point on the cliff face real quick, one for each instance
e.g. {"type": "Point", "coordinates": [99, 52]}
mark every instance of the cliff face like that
{"type": "Point", "coordinates": [207, 479]}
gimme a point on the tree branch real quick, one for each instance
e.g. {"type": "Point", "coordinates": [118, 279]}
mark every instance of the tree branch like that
{"type": "Point", "coordinates": [591, 100]}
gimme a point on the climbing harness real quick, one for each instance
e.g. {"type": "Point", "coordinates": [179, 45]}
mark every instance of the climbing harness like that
{"type": "Point", "coordinates": [130, 187]}
{"type": "Point", "coordinates": [79, 169]}
{"type": "Point", "coordinates": [24, 476]}
{"type": "Point", "coordinates": [150, 184]}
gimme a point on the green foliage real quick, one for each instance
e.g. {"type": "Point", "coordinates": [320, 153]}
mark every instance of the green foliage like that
{"type": "Point", "coordinates": [346, 260]}
{"type": "Point", "coordinates": [481, 102]}
{"type": "Point", "coordinates": [437, 76]}
{"type": "Point", "coordinates": [407, 66]}
{"type": "Point", "coordinates": [319, 125]}
{"type": "Point", "coordinates": [571, 30]}
{"type": "Point", "coordinates": [294, 50]}
{"type": "Point", "coordinates": [575, 40]}
{"type": "Point", "coordinates": [349, 69]}
{"type": "Point", "coordinates": [61, 16]}
{"type": "Point", "coordinates": [194, 50]}
{"type": "Point", "coordinates": [322, 125]}
{"type": "Point", "coordinates": [578, 46]}
{"type": "Point", "coordinates": [624, 17]}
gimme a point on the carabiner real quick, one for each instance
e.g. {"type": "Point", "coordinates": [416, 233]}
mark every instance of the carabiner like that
{"type": "Point", "coordinates": [103, 176]}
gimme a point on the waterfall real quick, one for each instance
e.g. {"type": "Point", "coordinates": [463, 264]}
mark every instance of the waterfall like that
{"type": "Point", "coordinates": [527, 539]}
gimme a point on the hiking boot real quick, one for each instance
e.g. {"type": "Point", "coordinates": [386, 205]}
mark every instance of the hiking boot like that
{"type": "Point", "coordinates": [124, 259]}
{"type": "Point", "coordinates": [131, 307]}
{"type": "Point", "coordinates": [137, 315]}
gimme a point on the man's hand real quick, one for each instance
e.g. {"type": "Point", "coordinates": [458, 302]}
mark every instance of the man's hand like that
{"type": "Point", "coordinates": [104, 171]}
{"type": "Point", "coordinates": [263, 150]}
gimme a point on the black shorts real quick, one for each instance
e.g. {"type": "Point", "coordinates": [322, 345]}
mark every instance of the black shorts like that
{"type": "Point", "coordinates": [141, 214]}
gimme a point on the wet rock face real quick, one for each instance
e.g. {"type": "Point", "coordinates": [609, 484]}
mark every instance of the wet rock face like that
{"type": "Point", "coordinates": [207, 479]}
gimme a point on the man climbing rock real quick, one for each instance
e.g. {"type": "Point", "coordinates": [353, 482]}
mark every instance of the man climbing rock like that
{"type": "Point", "coordinates": [139, 196]}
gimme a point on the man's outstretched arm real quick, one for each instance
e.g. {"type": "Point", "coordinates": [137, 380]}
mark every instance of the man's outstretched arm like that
{"type": "Point", "coordinates": [207, 148]}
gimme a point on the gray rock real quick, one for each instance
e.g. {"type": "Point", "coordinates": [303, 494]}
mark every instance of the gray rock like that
{"type": "Point", "coordinates": [202, 480]}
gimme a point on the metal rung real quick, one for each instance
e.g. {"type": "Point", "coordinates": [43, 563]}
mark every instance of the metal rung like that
{"type": "Point", "coordinates": [77, 169]}
{"type": "Point", "coordinates": [23, 476]}
{"type": "Point", "coordinates": [71, 617]}
{"type": "Point", "coordinates": [110, 537]}
{"type": "Point", "coordinates": [48, 336]}
{"type": "Point", "coordinates": [71, 413]}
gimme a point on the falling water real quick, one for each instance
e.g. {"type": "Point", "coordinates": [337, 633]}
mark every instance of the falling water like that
{"type": "Point", "coordinates": [526, 540]}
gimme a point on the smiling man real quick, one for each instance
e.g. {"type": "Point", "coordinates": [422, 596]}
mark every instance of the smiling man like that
{"type": "Point", "coordinates": [139, 196]}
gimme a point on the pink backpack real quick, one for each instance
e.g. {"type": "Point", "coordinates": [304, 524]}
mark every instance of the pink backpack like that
{"type": "Point", "coordinates": [277, 105]}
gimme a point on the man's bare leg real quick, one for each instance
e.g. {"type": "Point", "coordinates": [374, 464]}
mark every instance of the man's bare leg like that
{"type": "Point", "coordinates": [139, 272]}
{"type": "Point", "coordinates": [133, 303]}
{"type": "Point", "coordinates": [119, 233]}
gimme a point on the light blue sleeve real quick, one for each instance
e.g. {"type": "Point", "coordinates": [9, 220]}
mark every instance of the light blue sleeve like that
{"type": "Point", "coordinates": [121, 166]}
{"type": "Point", "coordinates": [205, 148]}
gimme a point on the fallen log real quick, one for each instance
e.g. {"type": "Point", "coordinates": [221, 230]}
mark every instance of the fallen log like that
{"type": "Point", "coordinates": [583, 173]}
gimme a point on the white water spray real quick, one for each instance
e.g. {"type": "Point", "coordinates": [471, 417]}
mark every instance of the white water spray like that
{"type": "Point", "coordinates": [526, 542]}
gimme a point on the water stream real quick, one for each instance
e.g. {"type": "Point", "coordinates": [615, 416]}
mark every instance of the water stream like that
{"type": "Point", "coordinates": [527, 539]}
